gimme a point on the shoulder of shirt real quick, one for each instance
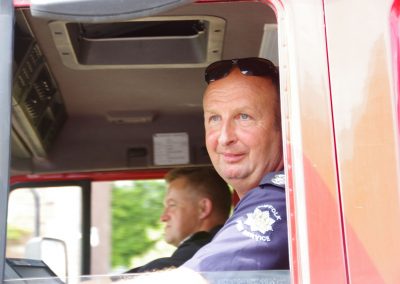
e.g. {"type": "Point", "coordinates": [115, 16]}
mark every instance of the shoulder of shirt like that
{"type": "Point", "coordinates": [274, 178]}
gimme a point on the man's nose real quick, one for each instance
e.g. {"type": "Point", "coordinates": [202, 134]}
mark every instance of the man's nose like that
{"type": "Point", "coordinates": [228, 134]}
{"type": "Point", "coordinates": [164, 217]}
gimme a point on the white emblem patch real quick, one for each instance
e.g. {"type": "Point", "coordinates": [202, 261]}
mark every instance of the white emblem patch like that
{"type": "Point", "coordinates": [259, 223]}
{"type": "Point", "coordinates": [278, 179]}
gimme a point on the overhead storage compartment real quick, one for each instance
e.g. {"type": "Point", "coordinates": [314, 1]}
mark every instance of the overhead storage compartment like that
{"type": "Point", "coordinates": [150, 43]}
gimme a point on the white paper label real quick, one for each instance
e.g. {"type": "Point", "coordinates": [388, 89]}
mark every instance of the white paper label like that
{"type": "Point", "coordinates": [171, 148]}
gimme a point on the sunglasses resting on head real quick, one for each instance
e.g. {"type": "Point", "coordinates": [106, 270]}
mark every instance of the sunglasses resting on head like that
{"type": "Point", "coordinates": [251, 66]}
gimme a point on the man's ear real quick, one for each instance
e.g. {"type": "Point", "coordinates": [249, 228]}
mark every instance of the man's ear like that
{"type": "Point", "coordinates": [205, 208]}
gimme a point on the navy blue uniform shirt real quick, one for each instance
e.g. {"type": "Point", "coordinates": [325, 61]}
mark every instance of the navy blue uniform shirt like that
{"type": "Point", "coordinates": [254, 237]}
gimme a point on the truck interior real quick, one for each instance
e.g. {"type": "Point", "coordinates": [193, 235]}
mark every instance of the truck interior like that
{"type": "Point", "coordinates": [116, 100]}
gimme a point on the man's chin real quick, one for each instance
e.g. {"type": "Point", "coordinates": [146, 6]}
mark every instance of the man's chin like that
{"type": "Point", "coordinates": [167, 240]}
{"type": "Point", "coordinates": [233, 174]}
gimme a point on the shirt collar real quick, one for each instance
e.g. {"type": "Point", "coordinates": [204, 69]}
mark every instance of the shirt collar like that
{"type": "Point", "coordinates": [274, 178]}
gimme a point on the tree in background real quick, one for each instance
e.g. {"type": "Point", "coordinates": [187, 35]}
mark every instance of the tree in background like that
{"type": "Point", "coordinates": [136, 209]}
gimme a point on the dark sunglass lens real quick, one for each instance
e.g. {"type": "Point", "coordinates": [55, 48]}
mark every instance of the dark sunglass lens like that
{"type": "Point", "coordinates": [257, 67]}
{"type": "Point", "coordinates": [217, 70]}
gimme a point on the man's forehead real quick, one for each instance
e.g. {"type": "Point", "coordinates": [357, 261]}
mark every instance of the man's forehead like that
{"type": "Point", "coordinates": [238, 96]}
{"type": "Point", "coordinates": [177, 183]}
{"type": "Point", "coordinates": [225, 89]}
{"type": "Point", "coordinates": [236, 83]}
{"type": "Point", "coordinates": [177, 187]}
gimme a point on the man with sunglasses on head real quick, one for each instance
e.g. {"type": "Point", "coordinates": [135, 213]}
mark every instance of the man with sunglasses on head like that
{"type": "Point", "coordinates": [243, 138]}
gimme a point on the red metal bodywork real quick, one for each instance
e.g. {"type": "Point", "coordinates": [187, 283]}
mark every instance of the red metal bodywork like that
{"type": "Point", "coordinates": [95, 176]}
{"type": "Point", "coordinates": [22, 3]}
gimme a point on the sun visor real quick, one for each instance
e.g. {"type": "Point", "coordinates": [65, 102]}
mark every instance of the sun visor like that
{"type": "Point", "coordinates": [101, 10]}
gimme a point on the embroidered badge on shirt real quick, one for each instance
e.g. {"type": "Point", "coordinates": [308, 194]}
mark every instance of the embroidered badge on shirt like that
{"type": "Point", "coordinates": [278, 179]}
{"type": "Point", "coordinates": [259, 221]}
{"type": "Point", "coordinates": [258, 225]}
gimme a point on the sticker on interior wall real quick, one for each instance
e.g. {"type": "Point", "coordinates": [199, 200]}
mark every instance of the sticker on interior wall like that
{"type": "Point", "coordinates": [171, 148]}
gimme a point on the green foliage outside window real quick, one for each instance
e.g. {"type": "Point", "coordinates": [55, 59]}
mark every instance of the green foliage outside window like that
{"type": "Point", "coordinates": [136, 209]}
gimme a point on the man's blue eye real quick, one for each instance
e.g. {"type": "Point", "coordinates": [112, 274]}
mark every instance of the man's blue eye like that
{"type": "Point", "coordinates": [244, 116]}
{"type": "Point", "coordinates": [214, 118]}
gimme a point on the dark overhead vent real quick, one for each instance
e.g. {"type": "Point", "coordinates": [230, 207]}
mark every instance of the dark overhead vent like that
{"type": "Point", "coordinates": [140, 29]}
{"type": "Point", "coordinates": [157, 42]}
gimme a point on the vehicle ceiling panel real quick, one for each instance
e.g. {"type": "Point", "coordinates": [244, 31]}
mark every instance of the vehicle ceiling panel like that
{"type": "Point", "coordinates": [96, 92]}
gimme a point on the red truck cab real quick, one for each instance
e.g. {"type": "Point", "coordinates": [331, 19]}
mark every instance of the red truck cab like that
{"type": "Point", "coordinates": [101, 92]}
